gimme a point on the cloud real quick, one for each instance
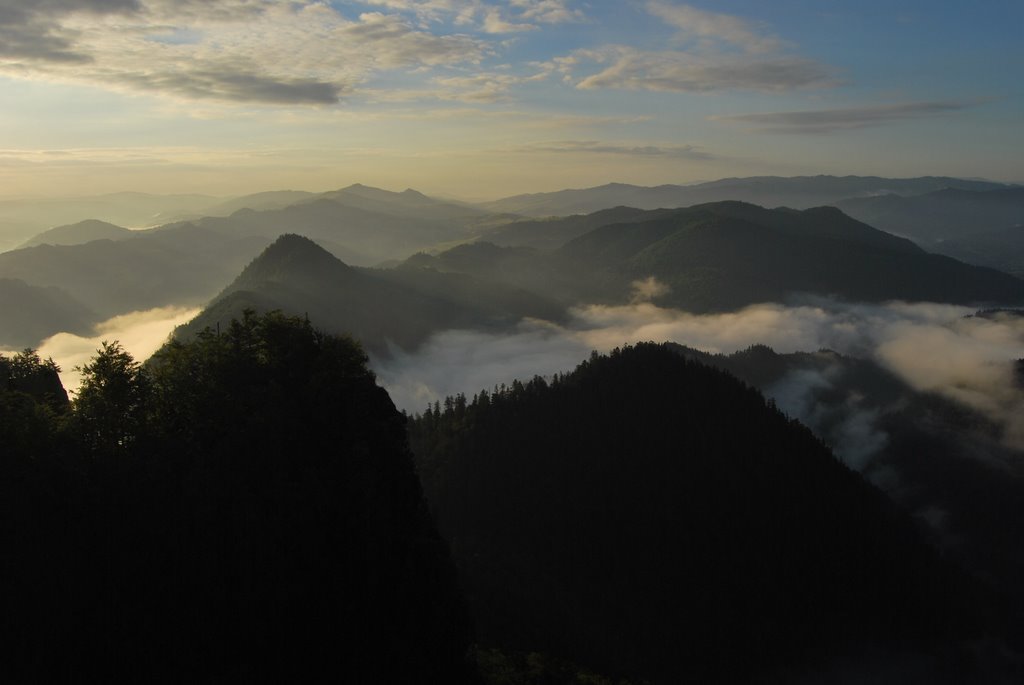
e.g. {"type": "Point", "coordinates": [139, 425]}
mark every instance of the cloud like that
{"type": "Point", "coordinates": [594, 147]}
{"type": "Point", "coordinates": [843, 119]}
{"type": "Point", "coordinates": [648, 289]}
{"type": "Point", "coordinates": [709, 52]}
{"type": "Point", "coordinates": [486, 87]}
{"type": "Point", "coordinates": [850, 427]}
{"type": "Point", "coordinates": [728, 29]}
{"type": "Point", "coordinates": [548, 11]}
{"type": "Point", "coordinates": [491, 17]}
{"type": "Point", "coordinates": [235, 87]}
{"type": "Point", "coordinates": [677, 71]}
{"type": "Point", "coordinates": [933, 348]}
{"type": "Point", "coordinates": [140, 333]}
{"type": "Point", "coordinates": [32, 30]}
{"type": "Point", "coordinates": [265, 51]}
{"type": "Point", "coordinates": [494, 23]}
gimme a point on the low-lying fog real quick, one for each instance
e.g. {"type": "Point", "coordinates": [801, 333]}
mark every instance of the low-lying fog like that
{"type": "Point", "coordinates": [932, 347]}
{"type": "Point", "coordinates": [140, 333]}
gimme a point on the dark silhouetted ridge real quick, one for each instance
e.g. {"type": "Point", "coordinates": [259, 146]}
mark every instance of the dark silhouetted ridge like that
{"type": "Point", "coordinates": [656, 518]}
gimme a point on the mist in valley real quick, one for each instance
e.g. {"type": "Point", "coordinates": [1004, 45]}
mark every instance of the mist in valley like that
{"type": "Point", "coordinates": [139, 333]}
{"type": "Point", "coordinates": [934, 348]}
{"type": "Point", "coordinates": [511, 342]}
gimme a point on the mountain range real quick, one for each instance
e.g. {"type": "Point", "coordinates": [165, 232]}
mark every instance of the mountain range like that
{"type": "Point", "coordinates": [651, 514]}
{"type": "Point", "coordinates": [710, 257]}
{"type": "Point", "coordinates": [799, 192]}
{"type": "Point", "coordinates": [725, 255]}
{"type": "Point", "coordinates": [379, 307]}
{"type": "Point", "coordinates": [31, 313]}
{"type": "Point", "coordinates": [20, 219]}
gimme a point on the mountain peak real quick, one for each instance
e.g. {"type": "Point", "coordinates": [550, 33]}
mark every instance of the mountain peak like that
{"type": "Point", "coordinates": [289, 257]}
{"type": "Point", "coordinates": [291, 245]}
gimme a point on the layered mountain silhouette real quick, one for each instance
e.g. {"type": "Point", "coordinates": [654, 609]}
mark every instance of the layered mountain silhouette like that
{"type": "Point", "coordinates": [359, 235]}
{"type": "Point", "coordinates": [1001, 249]}
{"type": "Point", "coordinates": [20, 219]}
{"type": "Point", "coordinates": [800, 192]}
{"type": "Point", "coordinates": [113, 270]}
{"type": "Point", "coordinates": [725, 255]}
{"type": "Point", "coordinates": [378, 307]}
{"type": "Point", "coordinates": [940, 216]}
{"type": "Point", "coordinates": [978, 227]}
{"type": "Point", "coordinates": [78, 233]}
{"type": "Point", "coordinates": [152, 269]}
{"type": "Point", "coordinates": [716, 256]}
{"type": "Point", "coordinates": [551, 233]}
{"type": "Point", "coordinates": [31, 313]}
{"type": "Point", "coordinates": [273, 199]}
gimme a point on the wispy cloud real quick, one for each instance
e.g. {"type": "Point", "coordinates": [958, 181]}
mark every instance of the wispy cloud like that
{"type": "Point", "coordinates": [735, 32]}
{"type": "Point", "coordinates": [678, 71]}
{"type": "Point", "coordinates": [831, 120]}
{"type": "Point", "coordinates": [491, 17]}
{"type": "Point", "coordinates": [933, 348]}
{"type": "Point", "coordinates": [709, 52]}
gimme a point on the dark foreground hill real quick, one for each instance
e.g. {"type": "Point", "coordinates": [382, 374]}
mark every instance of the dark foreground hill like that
{"type": "Point", "coordinates": [376, 306]}
{"type": "Point", "coordinates": [653, 517]}
{"type": "Point", "coordinates": [947, 464]}
{"type": "Point", "coordinates": [244, 509]}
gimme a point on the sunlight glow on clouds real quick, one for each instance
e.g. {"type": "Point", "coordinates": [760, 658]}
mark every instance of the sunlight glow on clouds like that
{"type": "Point", "coordinates": [648, 84]}
{"type": "Point", "coordinates": [718, 52]}
{"type": "Point", "coordinates": [270, 52]}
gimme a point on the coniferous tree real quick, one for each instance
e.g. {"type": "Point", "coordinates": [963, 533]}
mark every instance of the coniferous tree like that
{"type": "Point", "coordinates": [242, 508]}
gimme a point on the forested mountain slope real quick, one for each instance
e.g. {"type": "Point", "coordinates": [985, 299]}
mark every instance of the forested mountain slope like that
{"type": "Point", "coordinates": [242, 509]}
{"type": "Point", "coordinates": [655, 517]}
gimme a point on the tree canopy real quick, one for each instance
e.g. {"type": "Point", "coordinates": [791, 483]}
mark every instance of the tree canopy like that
{"type": "Point", "coordinates": [650, 516]}
{"type": "Point", "coordinates": [243, 506]}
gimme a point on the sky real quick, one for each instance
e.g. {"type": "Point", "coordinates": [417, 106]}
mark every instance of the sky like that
{"type": "Point", "coordinates": [477, 99]}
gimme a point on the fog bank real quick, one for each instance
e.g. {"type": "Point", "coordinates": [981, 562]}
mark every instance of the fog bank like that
{"type": "Point", "coordinates": [140, 333]}
{"type": "Point", "coordinates": [932, 347]}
